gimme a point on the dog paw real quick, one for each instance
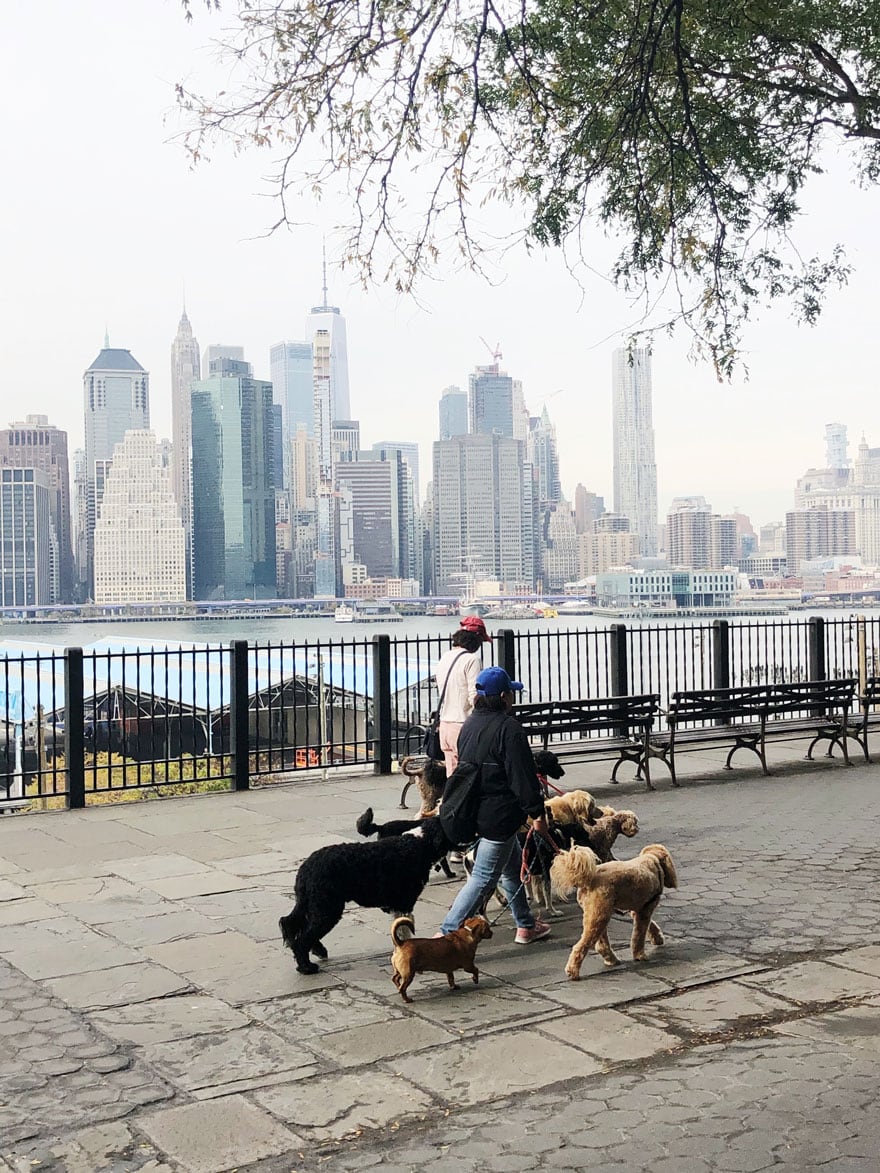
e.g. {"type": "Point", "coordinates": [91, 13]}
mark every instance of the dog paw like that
{"type": "Point", "coordinates": [640, 957]}
{"type": "Point", "coordinates": [556, 912]}
{"type": "Point", "coordinates": [612, 961]}
{"type": "Point", "coordinates": [318, 950]}
{"type": "Point", "coordinates": [308, 967]}
{"type": "Point", "coordinates": [573, 975]}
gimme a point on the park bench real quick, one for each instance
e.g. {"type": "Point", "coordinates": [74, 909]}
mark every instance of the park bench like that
{"type": "Point", "coordinates": [751, 715]}
{"type": "Point", "coordinates": [606, 727]}
{"type": "Point", "coordinates": [868, 716]}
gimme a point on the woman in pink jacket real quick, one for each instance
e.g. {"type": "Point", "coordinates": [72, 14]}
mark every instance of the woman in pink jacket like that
{"type": "Point", "coordinates": [457, 672]}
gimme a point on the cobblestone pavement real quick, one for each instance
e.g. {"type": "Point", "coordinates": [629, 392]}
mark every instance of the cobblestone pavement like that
{"type": "Point", "coordinates": [149, 1019]}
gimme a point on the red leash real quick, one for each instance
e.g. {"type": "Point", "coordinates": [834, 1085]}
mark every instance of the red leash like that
{"type": "Point", "coordinates": [546, 785]}
{"type": "Point", "coordinates": [524, 871]}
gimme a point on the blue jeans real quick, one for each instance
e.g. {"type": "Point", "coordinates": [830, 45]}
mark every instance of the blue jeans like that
{"type": "Point", "coordinates": [496, 860]}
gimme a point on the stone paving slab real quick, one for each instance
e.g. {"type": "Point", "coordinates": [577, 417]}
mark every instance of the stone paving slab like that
{"type": "Point", "coordinates": [25, 912]}
{"type": "Point", "coordinates": [611, 1036]}
{"type": "Point", "coordinates": [101, 900]}
{"type": "Point", "coordinates": [685, 963]}
{"type": "Point", "coordinates": [155, 867]}
{"type": "Point", "coordinates": [163, 928]}
{"type": "Point", "coordinates": [118, 986]}
{"type": "Point", "coordinates": [249, 1055]}
{"type": "Point", "coordinates": [10, 891]}
{"type": "Point", "coordinates": [815, 981]}
{"type": "Point", "coordinates": [319, 1012]}
{"type": "Point", "coordinates": [864, 960]}
{"type": "Point", "coordinates": [331, 1107]}
{"type": "Point", "coordinates": [708, 1008]}
{"type": "Point", "coordinates": [232, 966]}
{"type": "Point", "coordinates": [191, 884]}
{"type": "Point", "coordinates": [857, 1026]}
{"type": "Point", "coordinates": [217, 1135]}
{"type": "Point", "coordinates": [165, 1019]}
{"type": "Point", "coordinates": [474, 1071]}
{"type": "Point", "coordinates": [367, 1044]}
{"type": "Point", "coordinates": [605, 987]}
{"type": "Point", "coordinates": [55, 948]}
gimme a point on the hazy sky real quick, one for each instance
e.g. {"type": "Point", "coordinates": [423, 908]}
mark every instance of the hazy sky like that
{"type": "Point", "coordinates": [104, 221]}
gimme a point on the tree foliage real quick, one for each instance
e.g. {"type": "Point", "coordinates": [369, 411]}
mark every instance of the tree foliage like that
{"type": "Point", "coordinates": [685, 130]}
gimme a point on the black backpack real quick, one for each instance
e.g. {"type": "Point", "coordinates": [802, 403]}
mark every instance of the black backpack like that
{"type": "Point", "coordinates": [461, 795]}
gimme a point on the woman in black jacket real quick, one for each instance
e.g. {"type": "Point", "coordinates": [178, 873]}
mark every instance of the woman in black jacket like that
{"type": "Point", "coordinates": [509, 791]}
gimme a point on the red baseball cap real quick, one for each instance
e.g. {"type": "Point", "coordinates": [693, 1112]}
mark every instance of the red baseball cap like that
{"type": "Point", "coordinates": [475, 623]}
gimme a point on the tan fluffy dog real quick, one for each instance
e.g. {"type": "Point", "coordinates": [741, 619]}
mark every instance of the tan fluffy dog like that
{"type": "Point", "coordinates": [606, 829]}
{"type": "Point", "coordinates": [577, 806]}
{"type": "Point", "coordinates": [632, 885]}
{"type": "Point", "coordinates": [414, 955]}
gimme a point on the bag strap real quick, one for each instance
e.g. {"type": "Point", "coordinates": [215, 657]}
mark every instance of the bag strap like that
{"type": "Point", "coordinates": [446, 681]}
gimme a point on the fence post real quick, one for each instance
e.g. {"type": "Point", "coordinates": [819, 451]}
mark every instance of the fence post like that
{"type": "Point", "coordinates": [74, 728]}
{"type": "Point", "coordinates": [862, 648]}
{"type": "Point", "coordinates": [507, 651]}
{"type": "Point", "coordinates": [618, 665]}
{"type": "Point", "coordinates": [238, 715]}
{"type": "Point", "coordinates": [381, 704]}
{"type": "Point", "coordinates": [721, 654]}
{"type": "Point", "coordinates": [816, 648]}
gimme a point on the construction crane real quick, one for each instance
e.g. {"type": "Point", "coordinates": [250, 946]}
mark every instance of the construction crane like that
{"type": "Point", "coordinates": [496, 353]}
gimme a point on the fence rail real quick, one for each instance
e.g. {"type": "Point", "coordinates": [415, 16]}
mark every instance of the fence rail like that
{"type": "Point", "coordinates": [87, 726]}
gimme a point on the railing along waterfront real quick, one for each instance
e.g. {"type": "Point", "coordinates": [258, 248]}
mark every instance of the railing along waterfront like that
{"type": "Point", "coordinates": [116, 721]}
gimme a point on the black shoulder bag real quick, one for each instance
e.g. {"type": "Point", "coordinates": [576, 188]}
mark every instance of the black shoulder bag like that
{"type": "Point", "coordinates": [461, 797]}
{"type": "Point", "coordinates": [431, 743]}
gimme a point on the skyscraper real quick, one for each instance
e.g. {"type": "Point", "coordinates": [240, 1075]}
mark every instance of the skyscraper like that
{"type": "Point", "coordinates": [328, 319]}
{"type": "Point", "coordinates": [588, 507]}
{"type": "Point", "coordinates": [544, 455]}
{"type": "Point", "coordinates": [381, 512]}
{"type": "Point", "coordinates": [483, 512]}
{"type": "Point", "coordinates": [635, 471]}
{"type": "Point", "coordinates": [291, 367]}
{"type": "Point", "coordinates": [25, 526]}
{"type": "Point", "coordinates": [185, 369]}
{"type": "Point", "coordinates": [140, 547]}
{"type": "Point", "coordinates": [409, 450]}
{"type": "Point", "coordinates": [233, 476]}
{"type": "Point", "coordinates": [453, 413]}
{"type": "Point", "coordinates": [116, 390]}
{"type": "Point", "coordinates": [491, 402]}
{"type": "Point", "coordinates": [36, 444]}
{"type": "Point", "coordinates": [836, 446]}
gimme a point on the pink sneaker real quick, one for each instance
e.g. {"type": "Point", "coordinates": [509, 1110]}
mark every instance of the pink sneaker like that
{"type": "Point", "coordinates": [434, 936]}
{"type": "Point", "coordinates": [538, 933]}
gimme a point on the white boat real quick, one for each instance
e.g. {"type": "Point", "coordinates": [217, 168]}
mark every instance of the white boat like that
{"type": "Point", "coordinates": [471, 606]}
{"type": "Point", "coordinates": [344, 613]}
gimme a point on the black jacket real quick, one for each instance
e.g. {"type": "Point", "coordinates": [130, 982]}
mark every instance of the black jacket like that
{"type": "Point", "coordinates": [509, 787]}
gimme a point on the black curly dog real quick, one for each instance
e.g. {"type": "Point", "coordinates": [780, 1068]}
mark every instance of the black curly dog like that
{"type": "Point", "coordinates": [387, 873]}
{"type": "Point", "coordinates": [366, 827]}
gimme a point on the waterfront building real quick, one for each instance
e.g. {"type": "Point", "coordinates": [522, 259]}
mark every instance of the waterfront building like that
{"type": "Point", "coordinates": [233, 476]}
{"type": "Point", "coordinates": [140, 538]}
{"type": "Point", "coordinates": [26, 561]}
{"type": "Point", "coordinates": [186, 367]}
{"type": "Point", "coordinates": [666, 589]}
{"type": "Point", "coordinates": [483, 513]}
{"type": "Point", "coordinates": [588, 508]}
{"type": "Point", "coordinates": [635, 470]}
{"type": "Point", "coordinates": [36, 444]}
{"type": "Point", "coordinates": [116, 392]}
{"type": "Point", "coordinates": [409, 450]}
{"type": "Point", "coordinates": [453, 413]}
{"type": "Point", "coordinates": [855, 488]}
{"type": "Point", "coordinates": [818, 533]}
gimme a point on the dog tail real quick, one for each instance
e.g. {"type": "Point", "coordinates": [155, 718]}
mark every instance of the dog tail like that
{"type": "Point", "coordinates": [403, 928]}
{"type": "Point", "coordinates": [670, 879]}
{"type": "Point", "coordinates": [573, 869]}
{"type": "Point", "coordinates": [290, 925]}
{"type": "Point", "coordinates": [412, 765]}
{"type": "Point", "coordinates": [365, 824]}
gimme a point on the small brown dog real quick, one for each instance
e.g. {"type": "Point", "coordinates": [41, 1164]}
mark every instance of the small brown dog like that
{"type": "Point", "coordinates": [414, 955]}
{"type": "Point", "coordinates": [430, 779]}
{"type": "Point", "coordinates": [632, 885]}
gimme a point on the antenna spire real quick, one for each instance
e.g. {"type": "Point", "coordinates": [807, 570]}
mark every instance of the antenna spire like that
{"type": "Point", "coordinates": [106, 338]}
{"type": "Point", "coordinates": [324, 254]}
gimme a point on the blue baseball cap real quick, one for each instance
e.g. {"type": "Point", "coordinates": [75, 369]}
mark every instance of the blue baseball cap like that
{"type": "Point", "coordinates": [494, 681]}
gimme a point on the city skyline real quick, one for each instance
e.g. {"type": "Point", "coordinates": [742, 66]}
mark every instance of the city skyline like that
{"type": "Point", "coordinates": [140, 209]}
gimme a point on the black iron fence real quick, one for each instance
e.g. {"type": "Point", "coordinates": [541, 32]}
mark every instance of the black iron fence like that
{"type": "Point", "coordinates": [118, 723]}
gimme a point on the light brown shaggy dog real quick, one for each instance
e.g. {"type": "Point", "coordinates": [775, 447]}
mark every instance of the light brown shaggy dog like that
{"type": "Point", "coordinates": [414, 955]}
{"type": "Point", "coordinates": [576, 806]}
{"type": "Point", "coordinates": [632, 885]}
{"type": "Point", "coordinates": [606, 829]}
